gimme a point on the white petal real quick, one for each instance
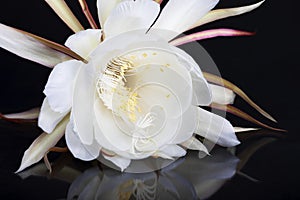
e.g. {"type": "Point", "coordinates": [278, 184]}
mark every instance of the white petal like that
{"type": "Point", "coordinates": [242, 129]}
{"type": "Point", "coordinates": [216, 129]}
{"type": "Point", "coordinates": [119, 161]}
{"type": "Point", "coordinates": [82, 108]}
{"type": "Point", "coordinates": [110, 132]}
{"type": "Point", "coordinates": [29, 114]}
{"type": "Point", "coordinates": [222, 95]}
{"type": "Point", "coordinates": [84, 42]}
{"type": "Point", "coordinates": [224, 13]}
{"type": "Point", "coordinates": [48, 119]}
{"type": "Point", "coordinates": [188, 126]}
{"type": "Point", "coordinates": [131, 15]}
{"type": "Point", "coordinates": [41, 145]}
{"type": "Point", "coordinates": [170, 151]}
{"type": "Point", "coordinates": [201, 89]}
{"type": "Point", "coordinates": [178, 16]}
{"type": "Point", "coordinates": [29, 48]}
{"type": "Point", "coordinates": [79, 150]}
{"type": "Point", "coordinates": [59, 88]}
{"type": "Point", "coordinates": [195, 144]}
{"type": "Point", "coordinates": [104, 9]}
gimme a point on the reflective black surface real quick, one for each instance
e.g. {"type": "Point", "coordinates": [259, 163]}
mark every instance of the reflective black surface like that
{"type": "Point", "coordinates": [264, 65]}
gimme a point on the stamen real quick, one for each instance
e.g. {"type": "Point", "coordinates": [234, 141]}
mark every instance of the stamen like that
{"type": "Point", "coordinates": [63, 11]}
{"type": "Point", "coordinates": [112, 90]}
{"type": "Point", "coordinates": [88, 14]}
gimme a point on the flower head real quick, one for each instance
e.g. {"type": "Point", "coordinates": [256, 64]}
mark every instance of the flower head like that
{"type": "Point", "coordinates": [131, 94]}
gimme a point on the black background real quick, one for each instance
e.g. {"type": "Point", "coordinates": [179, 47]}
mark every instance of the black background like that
{"type": "Point", "coordinates": [265, 66]}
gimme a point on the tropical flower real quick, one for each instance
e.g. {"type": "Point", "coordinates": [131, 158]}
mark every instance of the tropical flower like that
{"type": "Point", "coordinates": [125, 91]}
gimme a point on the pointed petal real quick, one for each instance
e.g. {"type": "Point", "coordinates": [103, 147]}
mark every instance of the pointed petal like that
{"type": "Point", "coordinates": [119, 161]}
{"type": "Point", "coordinates": [131, 15]}
{"type": "Point", "coordinates": [222, 95]}
{"type": "Point", "coordinates": [215, 129]}
{"type": "Point", "coordinates": [29, 48]}
{"type": "Point", "coordinates": [41, 145]}
{"type": "Point", "coordinates": [202, 35]}
{"type": "Point", "coordinates": [104, 9]}
{"type": "Point", "coordinates": [241, 114]}
{"type": "Point", "coordinates": [84, 42]}
{"type": "Point", "coordinates": [59, 88]}
{"type": "Point", "coordinates": [29, 114]}
{"type": "Point", "coordinates": [178, 16]}
{"type": "Point", "coordinates": [220, 81]}
{"type": "Point", "coordinates": [224, 13]}
{"type": "Point", "coordinates": [63, 11]}
{"type": "Point", "coordinates": [242, 129]}
{"type": "Point", "coordinates": [195, 144]}
{"type": "Point", "coordinates": [79, 150]}
{"type": "Point", "coordinates": [48, 119]}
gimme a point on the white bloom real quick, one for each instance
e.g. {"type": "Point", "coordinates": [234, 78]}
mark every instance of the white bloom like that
{"type": "Point", "coordinates": [138, 96]}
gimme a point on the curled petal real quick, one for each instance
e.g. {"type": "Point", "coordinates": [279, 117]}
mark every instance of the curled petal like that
{"type": "Point", "coordinates": [178, 16]}
{"type": "Point", "coordinates": [48, 119]}
{"type": "Point", "coordinates": [170, 151]}
{"type": "Point", "coordinates": [216, 129]}
{"type": "Point", "coordinates": [30, 47]}
{"type": "Point", "coordinates": [59, 88]}
{"type": "Point", "coordinates": [131, 15]}
{"type": "Point", "coordinates": [79, 150]}
{"type": "Point", "coordinates": [224, 13]}
{"type": "Point", "coordinates": [222, 32]}
{"type": "Point", "coordinates": [42, 144]}
{"type": "Point", "coordinates": [84, 42]}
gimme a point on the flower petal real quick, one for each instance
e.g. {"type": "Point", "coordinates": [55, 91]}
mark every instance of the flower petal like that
{"type": "Point", "coordinates": [188, 125]}
{"type": "Point", "coordinates": [242, 129]}
{"type": "Point", "coordinates": [215, 129]}
{"type": "Point", "coordinates": [202, 35]}
{"type": "Point", "coordinates": [79, 150]}
{"type": "Point", "coordinates": [29, 114]}
{"type": "Point", "coordinates": [41, 145]}
{"type": "Point", "coordinates": [29, 48]}
{"type": "Point", "coordinates": [104, 9]}
{"type": "Point", "coordinates": [48, 119]}
{"type": "Point", "coordinates": [82, 108]}
{"type": "Point", "coordinates": [119, 161]}
{"type": "Point", "coordinates": [84, 42]}
{"type": "Point", "coordinates": [170, 151]}
{"type": "Point", "coordinates": [59, 88]}
{"type": "Point", "coordinates": [224, 13]}
{"type": "Point", "coordinates": [131, 15]}
{"type": "Point", "coordinates": [222, 95]}
{"type": "Point", "coordinates": [195, 144]}
{"type": "Point", "coordinates": [109, 129]}
{"type": "Point", "coordinates": [178, 16]}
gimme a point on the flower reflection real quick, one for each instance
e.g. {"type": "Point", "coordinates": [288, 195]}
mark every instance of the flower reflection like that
{"type": "Point", "coordinates": [187, 177]}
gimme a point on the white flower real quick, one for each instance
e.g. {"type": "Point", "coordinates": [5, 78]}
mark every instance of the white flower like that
{"type": "Point", "coordinates": [135, 95]}
{"type": "Point", "coordinates": [138, 96]}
